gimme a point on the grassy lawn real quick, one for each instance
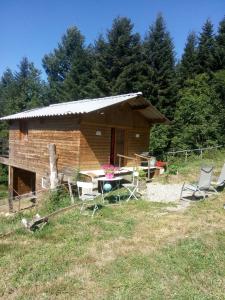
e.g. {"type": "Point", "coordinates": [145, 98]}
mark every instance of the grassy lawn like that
{"type": "Point", "coordinates": [136, 250]}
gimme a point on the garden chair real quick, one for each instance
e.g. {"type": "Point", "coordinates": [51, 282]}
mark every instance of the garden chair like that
{"type": "Point", "coordinates": [220, 180]}
{"type": "Point", "coordinates": [86, 194]}
{"type": "Point", "coordinates": [202, 186]}
{"type": "Point", "coordinates": [132, 187]}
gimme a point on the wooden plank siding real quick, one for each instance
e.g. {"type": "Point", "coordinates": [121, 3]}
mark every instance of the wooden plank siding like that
{"type": "Point", "coordinates": [32, 154]}
{"type": "Point", "coordinates": [94, 149]}
{"type": "Point", "coordinates": [137, 144]}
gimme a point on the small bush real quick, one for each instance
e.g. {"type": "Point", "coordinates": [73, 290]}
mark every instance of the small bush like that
{"type": "Point", "coordinates": [3, 175]}
{"type": "Point", "coordinates": [57, 199]}
{"type": "Point", "coordinates": [173, 169]}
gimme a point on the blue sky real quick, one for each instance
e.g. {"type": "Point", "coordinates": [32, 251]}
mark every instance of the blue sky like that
{"type": "Point", "coordinates": [33, 28]}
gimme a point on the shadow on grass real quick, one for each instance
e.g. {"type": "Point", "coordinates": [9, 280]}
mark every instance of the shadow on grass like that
{"type": "Point", "coordinates": [199, 198]}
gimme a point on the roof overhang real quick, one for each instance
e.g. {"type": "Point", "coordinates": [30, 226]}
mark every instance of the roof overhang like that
{"type": "Point", "coordinates": [148, 111]}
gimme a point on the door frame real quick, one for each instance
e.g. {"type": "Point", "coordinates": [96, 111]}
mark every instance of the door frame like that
{"type": "Point", "coordinates": [113, 144]}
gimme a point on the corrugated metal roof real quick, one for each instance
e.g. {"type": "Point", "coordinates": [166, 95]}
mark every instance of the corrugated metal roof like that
{"type": "Point", "coordinates": [70, 108]}
{"type": "Point", "coordinates": [87, 106]}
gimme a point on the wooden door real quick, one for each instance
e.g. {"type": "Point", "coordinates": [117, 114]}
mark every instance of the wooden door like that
{"type": "Point", "coordinates": [117, 145]}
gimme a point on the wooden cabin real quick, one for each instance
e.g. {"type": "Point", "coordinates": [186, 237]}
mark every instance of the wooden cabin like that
{"type": "Point", "coordinates": [86, 134]}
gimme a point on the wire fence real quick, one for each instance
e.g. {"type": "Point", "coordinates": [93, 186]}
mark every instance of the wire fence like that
{"type": "Point", "coordinates": [187, 152]}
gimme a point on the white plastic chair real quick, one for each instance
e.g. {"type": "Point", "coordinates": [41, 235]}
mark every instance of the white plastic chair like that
{"type": "Point", "coordinates": [86, 194]}
{"type": "Point", "coordinates": [220, 182]}
{"type": "Point", "coordinates": [202, 186]}
{"type": "Point", "coordinates": [132, 187]}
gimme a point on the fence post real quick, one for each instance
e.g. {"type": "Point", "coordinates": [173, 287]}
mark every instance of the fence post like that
{"type": "Point", "coordinates": [201, 154]}
{"type": "Point", "coordinates": [148, 168]}
{"type": "Point", "coordinates": [186, 155]}
{"type": "Point", "coordinates": [19, 203]}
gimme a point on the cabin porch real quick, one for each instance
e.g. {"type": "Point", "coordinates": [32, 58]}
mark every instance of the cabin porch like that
{"type": "Point", "coordinates": [139, 162]}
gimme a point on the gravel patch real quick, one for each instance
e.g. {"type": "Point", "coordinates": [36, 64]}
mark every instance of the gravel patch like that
{"type": "Point", "coordinates": [163, 192]}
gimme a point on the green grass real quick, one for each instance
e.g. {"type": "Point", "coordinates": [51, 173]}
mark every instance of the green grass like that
{"type": "Point", "coordinates": [124, 252]}
{"type": "Point", "coordinates": [130, 251]}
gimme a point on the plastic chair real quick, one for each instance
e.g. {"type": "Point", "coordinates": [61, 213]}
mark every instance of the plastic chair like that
{"type": "Point", "coordinates": [202, 186]}
{"type": "Point", "coordinates": [132, 187]}
{"type": "Point", "coordinates": [86, 194]}
{"type": "Point", "coordinates": [220, 180]}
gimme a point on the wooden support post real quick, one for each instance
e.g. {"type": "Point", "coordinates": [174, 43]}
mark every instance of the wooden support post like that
{"type": "Point", "coordinates": [201, 154]}
{"type": "Point", "coordinates": [119, 162]}
{"type": "Point", "coordinates": [10, 188]}
{"type": "Point", "coordinates": [19, 205]}
{"type": "Point", "coordinates": [186, 155]}
{"type": "Point", "coordinates": [71, 191]}
{"type": "Point", "coordinates": [53, 166]}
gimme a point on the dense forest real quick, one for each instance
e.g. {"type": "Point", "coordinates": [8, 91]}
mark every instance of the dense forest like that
{"type": "Point", "coordinates": [190, 92]}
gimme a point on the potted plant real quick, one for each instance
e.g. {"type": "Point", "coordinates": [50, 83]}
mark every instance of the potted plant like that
{"type": "Point", "coordinates": [109, 170]}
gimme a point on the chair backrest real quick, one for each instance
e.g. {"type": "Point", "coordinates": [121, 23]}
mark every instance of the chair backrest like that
{"type": "Point", "coordinates": [205, 177]}
{"type": "Point", "coordinates": [135, 179]}
{"type": "Point", "coordinates": [84, 188]}
{"type": "Point", "coordinates": [221, 178]}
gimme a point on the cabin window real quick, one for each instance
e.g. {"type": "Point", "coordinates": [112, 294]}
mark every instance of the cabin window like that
{"type": "Point", "coordinates": [23, 130]}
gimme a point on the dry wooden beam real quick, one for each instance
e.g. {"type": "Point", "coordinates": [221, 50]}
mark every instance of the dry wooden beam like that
{"type": "Point", "coordinates": [53, 166]}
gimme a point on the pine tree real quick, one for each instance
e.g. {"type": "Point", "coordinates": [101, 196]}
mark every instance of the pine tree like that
{"type": "Point", "coordinates": [21, 90]}
{"type": "Point", "coordinates": [162, 90]}
{"type": "Point", "coordinates": [119, 65]}
{"type": "Point", "coordinates": [7, 94]}
{"type": "Point", "coordinates": [206, 49]}
{"type": "Point", "coordinates": [29, 86]}
{"type": "Point", "coordinates": [159, 52]}
{"type": "Point", "coordinates": [68, 67]}
{"type": "Point", "coordinates": [189, 64]}
{"type": "Point", "coordinates": [125, 56]}
{"type": "Point", "coordinates": [100, 84]}
{"type": "Point", "coordinates": [76, 84]}
{"type": "Point", "coordinates": [220, 46]}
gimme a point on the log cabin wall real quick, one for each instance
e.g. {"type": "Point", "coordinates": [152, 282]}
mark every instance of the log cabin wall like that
{"type": "Point", "coordinates": [95, 149]}
{"type": "Point", "coordinates": [30, 151]}
{"type": "Point", "coordinates": [138, 142]}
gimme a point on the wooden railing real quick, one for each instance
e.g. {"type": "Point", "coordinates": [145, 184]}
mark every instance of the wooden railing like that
{"type": "Point", "coordinates": [137, 159]}
{"type": "Point", "coordinates": [146, 158]}
{"type": "Point", "coordinates": [125, 157]}
{"type": "Point", "coordinates": [4, 147]}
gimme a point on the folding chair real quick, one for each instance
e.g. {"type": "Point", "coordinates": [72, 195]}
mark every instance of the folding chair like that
{"type": "Point", "coordinates": [132, 187]}
{"type": "Point", "coordinates": [202, 186]}
{"type": "Point", "coordinates": [86, 194]}
{"type": "Point", "coordinates": [220, 180]}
